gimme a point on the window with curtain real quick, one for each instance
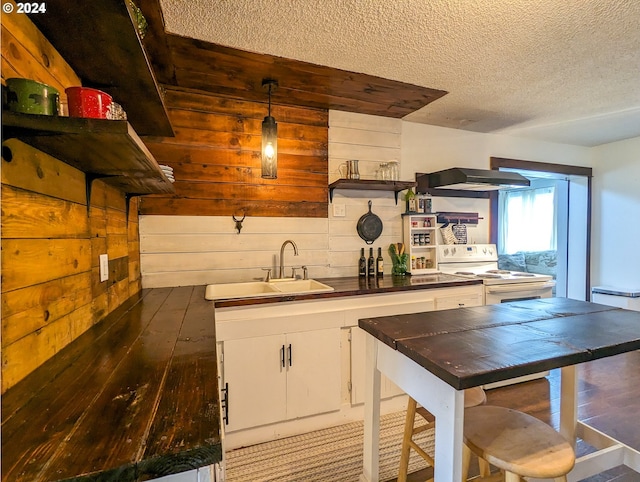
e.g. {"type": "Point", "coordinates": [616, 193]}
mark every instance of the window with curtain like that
{"type": "Point", "coordinates": [528, 220]}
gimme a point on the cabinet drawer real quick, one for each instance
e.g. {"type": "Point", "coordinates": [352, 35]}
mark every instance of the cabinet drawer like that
{"type": "Point", "coordinates": [448, 302]}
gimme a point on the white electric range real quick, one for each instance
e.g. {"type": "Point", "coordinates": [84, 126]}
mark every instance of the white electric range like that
{"type": "Point", "coordinates": [480, 261]}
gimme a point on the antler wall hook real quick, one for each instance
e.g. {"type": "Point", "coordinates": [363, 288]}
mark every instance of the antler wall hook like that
{"type": "Point", "coordinates": [239, 222]}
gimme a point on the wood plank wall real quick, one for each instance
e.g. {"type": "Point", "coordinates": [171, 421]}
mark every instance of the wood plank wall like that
{"type": "Point", "coordinates": [216, 159]}
{"type": "Point", "coordinates": [184, 250]}
{"type": "Point", "coordinates": [372, 140]}
{"type": "Point", "coordinates": [51, 291]}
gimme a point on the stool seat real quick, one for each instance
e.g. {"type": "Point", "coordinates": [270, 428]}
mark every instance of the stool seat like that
{"type": "Point", "coordinates": [474, 396]}
{"type": "Point", "coordinates": [517, 442]}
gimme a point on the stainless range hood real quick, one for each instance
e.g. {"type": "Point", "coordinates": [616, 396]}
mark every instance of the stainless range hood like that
{"type": "Point", "coordinates": [460, 178]}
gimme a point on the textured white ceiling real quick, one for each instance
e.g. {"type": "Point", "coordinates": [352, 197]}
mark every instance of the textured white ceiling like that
{"type": "Point", "coordinates": [559, 70]}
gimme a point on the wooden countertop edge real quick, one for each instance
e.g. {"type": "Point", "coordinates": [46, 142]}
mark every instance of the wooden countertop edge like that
{"type": "Point", "coordinates": [57, 421]}
{"type": "Point", "coordinates": [368, 288]}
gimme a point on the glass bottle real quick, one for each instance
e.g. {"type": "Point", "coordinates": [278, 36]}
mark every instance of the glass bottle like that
{"type": "Point", "coordinates": [380, 264]}
{"type": "Point", "coordinates": [362, 265]}
{"type": "Point", "coordinates": [411, 201]}
{"type": "Point", "coordinates": [371, 264]}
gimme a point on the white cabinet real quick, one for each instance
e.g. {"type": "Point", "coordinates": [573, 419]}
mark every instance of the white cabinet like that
{"type": "Point", "coordinates": [313, 372]}
{"type": "Point", "coordinates": [322, 381]}
{"type": "Point", "coordinates": [255, 381]}
{"type": "Point", "coordinates": [279, 377]}
{"type": "Point", "coordinates": [388, 389]}
{"type": "Point", "coordinates": [424, 300]}
{"type": "Point", "coordinates": [420, 240]}
{"type": "Point", "coordinates": [398, 304]}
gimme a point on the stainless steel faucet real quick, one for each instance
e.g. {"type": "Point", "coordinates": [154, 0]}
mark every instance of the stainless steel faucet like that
{"type": "Point", "coordinates": [295, 253]}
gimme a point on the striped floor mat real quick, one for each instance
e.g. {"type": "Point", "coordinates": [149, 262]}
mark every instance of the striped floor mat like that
{"type": "Point", "coordinates": [328, 455]}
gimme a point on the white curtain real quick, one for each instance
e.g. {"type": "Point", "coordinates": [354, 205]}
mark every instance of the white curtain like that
{"type": "Point", "coordinates": [528, 220]}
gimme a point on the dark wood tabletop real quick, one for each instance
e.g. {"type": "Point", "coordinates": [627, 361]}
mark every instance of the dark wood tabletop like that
{"type": "Point", "coordinates": [467, 347]}
{"type": "Point", "coordinates": [134, 398]}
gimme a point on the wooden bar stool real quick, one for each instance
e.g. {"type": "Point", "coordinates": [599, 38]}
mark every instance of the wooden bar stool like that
{"type": "Point", "coordinates": [472, 397]}
{"type": "Point", "coordinates": [517, 443]}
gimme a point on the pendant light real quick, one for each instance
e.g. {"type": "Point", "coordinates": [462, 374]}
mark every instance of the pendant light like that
{"type": "Point", "coordinates": [269, 137]}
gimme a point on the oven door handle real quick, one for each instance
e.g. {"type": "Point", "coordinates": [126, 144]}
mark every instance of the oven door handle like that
{"type": "Point", "coordinates": [510, 288]}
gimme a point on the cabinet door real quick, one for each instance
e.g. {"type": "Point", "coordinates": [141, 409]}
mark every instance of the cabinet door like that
{"type": "Point", "coordinates": [313, 372]}
{"type": "Point", "coordinates": [388, 389]}
{"type": "Point", "coordinates": [257, 381]}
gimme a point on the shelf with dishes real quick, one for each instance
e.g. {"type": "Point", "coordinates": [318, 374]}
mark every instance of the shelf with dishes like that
{"type": "Point", "coordinates": [102, 43]}
{"type": "Point", "coordinates": [370, 185]}
{"type": "Point", "coordinates": [109, 150]}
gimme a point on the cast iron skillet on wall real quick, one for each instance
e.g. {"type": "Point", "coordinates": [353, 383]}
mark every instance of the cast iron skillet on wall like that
{"type": "Point", "coordinates": [369, 226]}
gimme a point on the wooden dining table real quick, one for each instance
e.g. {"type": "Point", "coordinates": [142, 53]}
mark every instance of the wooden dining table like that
{"type": "Point", "coordinates": [434, 356]}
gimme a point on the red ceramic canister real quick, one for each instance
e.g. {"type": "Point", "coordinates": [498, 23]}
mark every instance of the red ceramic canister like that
{"type": "Point", "coordinates": [87, 102]}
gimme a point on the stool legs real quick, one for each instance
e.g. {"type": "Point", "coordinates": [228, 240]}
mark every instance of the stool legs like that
{"type": "Point", "coordinates": [466, 462]}
{"type": "Point", "coordinates": [406, 439]}
{"type": "Point", "coordinates": [485, 468]}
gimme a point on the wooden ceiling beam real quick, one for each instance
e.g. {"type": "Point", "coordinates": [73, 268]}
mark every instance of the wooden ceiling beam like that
{"type": "Point", "coordinates": [238, 74]}
{"type": "Point", "coordinates": [195, 65]}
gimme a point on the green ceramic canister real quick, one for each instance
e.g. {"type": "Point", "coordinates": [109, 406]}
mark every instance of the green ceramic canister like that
{"type": "Point", "coordinates": [31, 97]}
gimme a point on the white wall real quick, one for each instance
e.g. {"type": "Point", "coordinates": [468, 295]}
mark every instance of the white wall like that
{"type": "Point", "coordinates": [190, 250]}
{"type": "Point", "coordinates": [430, 148]}
{"type": "Point", "coordinates": [199, 249]}
{"type": "Point", "coordinates": [616, 215]}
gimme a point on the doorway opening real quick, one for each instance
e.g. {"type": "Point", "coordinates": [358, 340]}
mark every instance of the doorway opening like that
{"type": "Point", "coordinates": [545, 228]}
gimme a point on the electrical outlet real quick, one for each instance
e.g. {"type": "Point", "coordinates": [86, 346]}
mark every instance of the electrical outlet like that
{"type": "Point", "coordinates": [339, 211]}
{"type": "Point", "coordinates": [104, 267]}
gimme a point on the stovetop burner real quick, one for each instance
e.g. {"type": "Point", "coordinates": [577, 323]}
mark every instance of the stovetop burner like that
{"type": "Point", "coordinates": [524, 275]}
{"type": "Point", "coordinates": [498, 271]}
{"type": "Point", "coordinates": [465, 273]}
{"type": "Point", "coordinates": [489, 276]}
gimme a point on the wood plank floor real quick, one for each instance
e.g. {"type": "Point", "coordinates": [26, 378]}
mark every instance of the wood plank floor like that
{"type": "Point", "coordinates": [608, 400]}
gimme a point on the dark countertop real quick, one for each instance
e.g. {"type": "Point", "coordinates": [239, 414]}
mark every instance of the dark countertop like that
{"type": "Point", "coordinates": [467, 347]}
{"type": "Point", "coordinates": [133, 398]}
{"type": "Point", "coordinates": [355, 286]}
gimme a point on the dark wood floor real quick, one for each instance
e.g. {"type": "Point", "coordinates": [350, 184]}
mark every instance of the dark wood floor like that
{"type": "Point", "coordinates": [609, 400]}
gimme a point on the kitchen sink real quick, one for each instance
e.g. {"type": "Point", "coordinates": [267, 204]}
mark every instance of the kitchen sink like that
{"type": "Point", "coordinates": [224, 291]}
{"type": "Point", "coordinates": [252, 289]}
{"type": "Point", "coordinates": [300, 286]}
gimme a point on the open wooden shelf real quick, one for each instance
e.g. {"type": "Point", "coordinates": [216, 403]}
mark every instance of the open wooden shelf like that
{"type": "Point", "coordinates": [101, 44]}
{"type": "Point", "coordinates": [370, 185]}
{"type": "Point", "coordinates": [109, 150]}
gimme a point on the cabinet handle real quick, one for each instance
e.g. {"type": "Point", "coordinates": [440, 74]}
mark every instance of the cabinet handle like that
{"type": "Point", "coordinates": [225, 403]}
{"type": "Point", "coordinates": [290, 353]}
{"type": "Point", "coordinates": [282, 356]}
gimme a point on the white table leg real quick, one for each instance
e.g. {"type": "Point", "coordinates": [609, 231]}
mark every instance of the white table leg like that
{"type": "Point", "coordinates": [440, 398]}
{"type": "Point", "coordinates": [568, 403]}
{"type": "Point", "coordinates": [449, 434]}
{"type": "Point", "coordinates": [371, 465]}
